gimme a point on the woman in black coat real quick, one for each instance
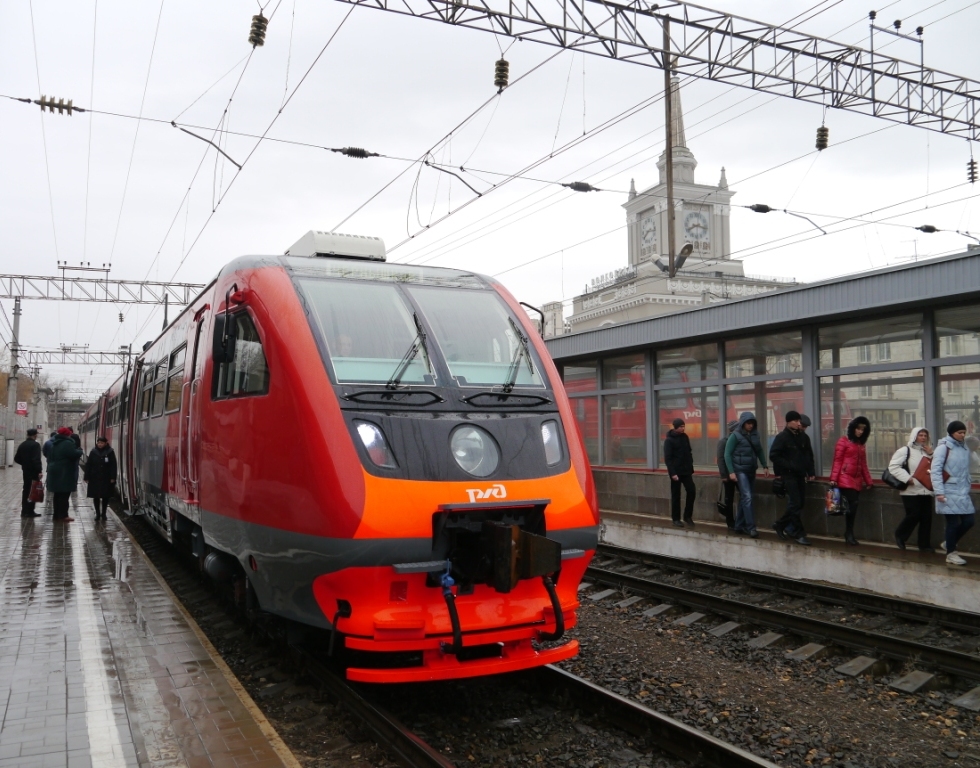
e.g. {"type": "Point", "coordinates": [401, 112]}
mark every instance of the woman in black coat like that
{"type": "Point", "coordinates": [100, 474]}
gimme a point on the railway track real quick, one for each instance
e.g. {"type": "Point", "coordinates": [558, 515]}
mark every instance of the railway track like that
{"type": "Point", "coordinates": [567, 693]}
{"type": "Point", "coordinates": [647, 574]}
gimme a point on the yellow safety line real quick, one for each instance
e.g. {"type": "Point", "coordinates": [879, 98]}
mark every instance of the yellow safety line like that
{"type": "Point", "coordinates": [284, 753]}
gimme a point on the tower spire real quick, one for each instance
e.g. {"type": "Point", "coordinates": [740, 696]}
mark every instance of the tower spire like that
{"type": "Point", "coordinates": [676, 113]}
{"type": "Point", "coordinates": [683, 160]}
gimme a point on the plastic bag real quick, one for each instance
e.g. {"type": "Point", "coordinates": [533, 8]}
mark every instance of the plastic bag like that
{"type": "Point", "coordinates": [833, 505]}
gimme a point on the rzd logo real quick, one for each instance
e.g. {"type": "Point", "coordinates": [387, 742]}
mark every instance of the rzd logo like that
{"type": "Point", "coordinates": [495, 491]}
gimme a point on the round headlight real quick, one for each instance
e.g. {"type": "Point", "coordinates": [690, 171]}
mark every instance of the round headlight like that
{"type": "Point", "coordinates": [475, 451]}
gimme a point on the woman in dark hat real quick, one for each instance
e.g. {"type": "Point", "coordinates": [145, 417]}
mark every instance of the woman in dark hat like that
{"type": "Point", "coordinates": [100, 474]}
{"type": "Point", "coordinates": [850, 471]}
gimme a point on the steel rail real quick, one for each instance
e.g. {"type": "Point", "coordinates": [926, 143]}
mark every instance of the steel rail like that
{"type": "Point", "coordinates": [405, 747]}
{"type": "Point", "coordinates": [953, 662]}
{"type": "Point", "coordinates": [701, 749]}
{"type": "Point", "coordinates": [852, 598]}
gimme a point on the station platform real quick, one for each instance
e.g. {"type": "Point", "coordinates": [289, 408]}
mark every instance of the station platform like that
{"type": "Point", "coordinates": [99, 666]}
{"type": "Point", "coordinates": [871, 566]}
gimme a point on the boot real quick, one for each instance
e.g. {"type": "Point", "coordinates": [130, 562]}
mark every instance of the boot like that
{"type": "Point", "coordinates": [849, 532]}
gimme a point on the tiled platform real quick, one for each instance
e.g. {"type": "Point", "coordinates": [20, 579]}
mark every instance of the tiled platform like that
{"type": "Point", "coordinates": [98, 666]}
{"type": "Point", "coordinates": [874, 567]}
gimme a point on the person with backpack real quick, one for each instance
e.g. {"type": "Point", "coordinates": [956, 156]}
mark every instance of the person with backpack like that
{"type": "Point", "coordinates": [953, 493]}
{"type": "Point", "coordinates": [850, 470]}
{"type": "Point", "coordinates": [792, 460]}
{"type": "Point", "coordinates": [726, 508]}
{"type": "Point", "coordinates": [916, 498]}
{"type": "Point", "coordinates": [679, 459]}
{"type": "Point", "coordinates": [743, 455]}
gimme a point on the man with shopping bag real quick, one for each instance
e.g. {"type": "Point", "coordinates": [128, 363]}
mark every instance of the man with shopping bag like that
{"type": "Point", "coordinates": [29, 457]}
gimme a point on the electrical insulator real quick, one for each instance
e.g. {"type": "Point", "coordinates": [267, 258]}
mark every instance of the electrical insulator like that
{"type": "Point", "coordinates": [120, 317]}
{"type": "Point", "coordinates": [61, 105]}
{"type": "Point", "coordinates": [501, 73]}
{"type": "Point", "coordinates": [257, 35]}
{"type": "Point", "coordinates": [823, 137]}
{"type": "Point", "coordinates": [971, 171]}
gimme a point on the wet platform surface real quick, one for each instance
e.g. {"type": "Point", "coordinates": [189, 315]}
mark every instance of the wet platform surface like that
{"type": "Point", "coordinates": [874, 567]}
{"type": "Point", "coordinates": [98, 666]}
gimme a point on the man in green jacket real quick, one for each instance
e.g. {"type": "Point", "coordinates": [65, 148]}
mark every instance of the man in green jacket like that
{"type": "Point", "coordinates": [62, 472]}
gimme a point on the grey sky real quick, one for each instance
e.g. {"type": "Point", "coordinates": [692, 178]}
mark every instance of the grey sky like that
{"type": "Point", "coordinates": [397, 85]}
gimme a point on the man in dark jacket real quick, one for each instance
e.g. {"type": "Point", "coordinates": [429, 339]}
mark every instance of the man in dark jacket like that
{"type": "Point", "coordinates": [729, 486]}
{"type": "Point", "coordinates": [680, 466]}
{"type": "Point", "coordinates": [792, 460]}
{"type": "Point", "coordinates": [29, 457]}
{"type": "Point", "coordinates": [62, 473]}
{"type": "Point", "coordinates": [743, 455]}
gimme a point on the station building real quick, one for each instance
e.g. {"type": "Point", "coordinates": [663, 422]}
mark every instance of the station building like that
{"type": "Point", "coordinates": [899, 345]}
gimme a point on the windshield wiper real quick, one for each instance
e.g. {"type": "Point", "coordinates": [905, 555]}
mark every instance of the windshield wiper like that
{"type": "Point", "coordinates": [417, 343]}
{"type": "Point", "coordinates": [522, 352]}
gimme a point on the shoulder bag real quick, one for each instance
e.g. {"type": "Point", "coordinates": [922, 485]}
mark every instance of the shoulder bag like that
{"type": "Point", "coordinates": [894, 482]}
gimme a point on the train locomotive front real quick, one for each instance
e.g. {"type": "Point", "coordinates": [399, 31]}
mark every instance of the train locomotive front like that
{"type": "Point", "coordinates": [404, 472]}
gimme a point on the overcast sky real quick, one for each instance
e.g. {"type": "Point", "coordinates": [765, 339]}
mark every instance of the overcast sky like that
{"type": "Point", "coordinates": [142, 194]}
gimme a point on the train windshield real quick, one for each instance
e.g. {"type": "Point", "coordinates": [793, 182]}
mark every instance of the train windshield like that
{"type": "Point", "coordinates": [478, 338]}
{"type": "Point", "coordinates": [370, 331]}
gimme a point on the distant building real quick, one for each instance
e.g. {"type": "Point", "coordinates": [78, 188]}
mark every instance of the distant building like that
{"type": "Point", "coordinates": [642, 289]}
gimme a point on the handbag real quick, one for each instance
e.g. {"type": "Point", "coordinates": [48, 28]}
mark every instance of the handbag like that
{"type": "Point", "coordinates": [833, 505]}
{"type": "Point", "coordinates": [779, 487]}
{"type": "Point", "coordinates": [923, 473]}
{"type": "Point", "coordinates": [37, 492]}
{"type": "Point", "coordinates": [894, 482]}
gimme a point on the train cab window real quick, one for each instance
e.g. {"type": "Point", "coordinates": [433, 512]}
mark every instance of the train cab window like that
{"type": "Point", "coordinates": [248, 371]}
{"type": "Point", "coordinates": [175, 380]}
{"type": "Point", "coordinates": [158, 390]}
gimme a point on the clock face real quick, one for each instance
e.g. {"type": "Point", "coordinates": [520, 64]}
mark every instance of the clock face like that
{"type": "Point", "coordinates": [648, 237]}
{"type": "Point", "coordinates": [696, 226]}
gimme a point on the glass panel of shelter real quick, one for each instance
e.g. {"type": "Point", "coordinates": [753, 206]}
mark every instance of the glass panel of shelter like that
{"type": "Point", "coordinates": [959, 400]}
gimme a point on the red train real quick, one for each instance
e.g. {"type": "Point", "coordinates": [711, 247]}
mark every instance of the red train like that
{"type": "Point", "coordinates": [381, 450]}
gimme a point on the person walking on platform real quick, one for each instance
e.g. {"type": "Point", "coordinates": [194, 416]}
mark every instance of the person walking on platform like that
{"type": "Point", "coordinates": [916, 498]}
{"type": "Point", "coordinates": [792, 460]}
{"type": "Point", "coordinates": [62, 466]}
{"type": "Point", "coordinates": [100, 474]}
{"type": "Point", "coordinates": [953, 494]}
{"type": "Point", "coordinates": [29, 457]}
{"type": "Point", "coordinates": [850, 471]}
{"type": "Point", "coordinates": [728, 486]}
{"type": "Point", "coordinates": [743, 454]}
{"type": "Point", "coordinates": [680, 466]}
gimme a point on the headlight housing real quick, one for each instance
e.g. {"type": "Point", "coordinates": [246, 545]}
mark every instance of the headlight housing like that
{"type": "Point", "coordinates": [375, 444]}
{"type": "Point", "coordinates": [552, 442]}
{"type": "Point", "coordinates": [475, 451]}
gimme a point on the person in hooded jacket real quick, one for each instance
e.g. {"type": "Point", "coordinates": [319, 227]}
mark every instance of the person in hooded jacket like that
{"type": "Point", "coordinates": [62, 466]}
{"type": "Point", "coordinates": [916, 498]}
{"type": "Point", "coordinates": [792, 459]}
{"type": "Point", "coordinates": [100, 474]}
{"type": "Point", "coordinates": [679, 459]}
{"type": "Point", "coordinates": [743, 454]}
{"type": "Point", "coordinates": [729, 486]}
{"type": "Point", "coordinates": [850, 470]}
{"type": "Point", "coordinates": [953, 494]}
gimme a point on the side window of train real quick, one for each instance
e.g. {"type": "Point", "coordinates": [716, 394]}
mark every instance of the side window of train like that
{"type": "Point", "coordinates": [148, 374]}
{"type": "Point", "coordinates": [175, 379]}
{"type": "Point", "coordinates": [159, 386]}
{"type": "Point", "coordinates": [240, 367]}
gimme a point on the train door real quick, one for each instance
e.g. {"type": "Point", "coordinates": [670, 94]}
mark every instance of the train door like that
{"type": "Point", "coordinates": [190, 417]}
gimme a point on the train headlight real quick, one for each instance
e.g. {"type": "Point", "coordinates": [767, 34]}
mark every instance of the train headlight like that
{"type": "Point", "coordinates": [375, 444]}
{"type": "Point", "coordinates": [474, 451]}
{"type": "Point", "coordinates": [552, 443]}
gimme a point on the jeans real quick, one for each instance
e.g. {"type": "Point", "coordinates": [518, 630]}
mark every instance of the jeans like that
{"type": "Point", "coordinates": [918, 512]}
{"type": "Point", "coordinates": [792, 521]}
{"type": "Point", "coordinates": [745, 519]}
{"type": "Point", "coordinates": [675, 497]}
{"type": "Point", "coordinates": [956, 527]}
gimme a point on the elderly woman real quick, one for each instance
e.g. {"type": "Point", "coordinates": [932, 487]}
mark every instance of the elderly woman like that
{"type": "Point", "coordinates": [953, 494]}
{"type": "Point", "coordinates": [62, 473]}
{"type": "Point", "coordinates": [916, 498]}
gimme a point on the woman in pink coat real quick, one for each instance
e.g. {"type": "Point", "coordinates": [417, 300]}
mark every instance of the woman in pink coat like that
{"type": "Point", "coordinates": [850, 471]}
